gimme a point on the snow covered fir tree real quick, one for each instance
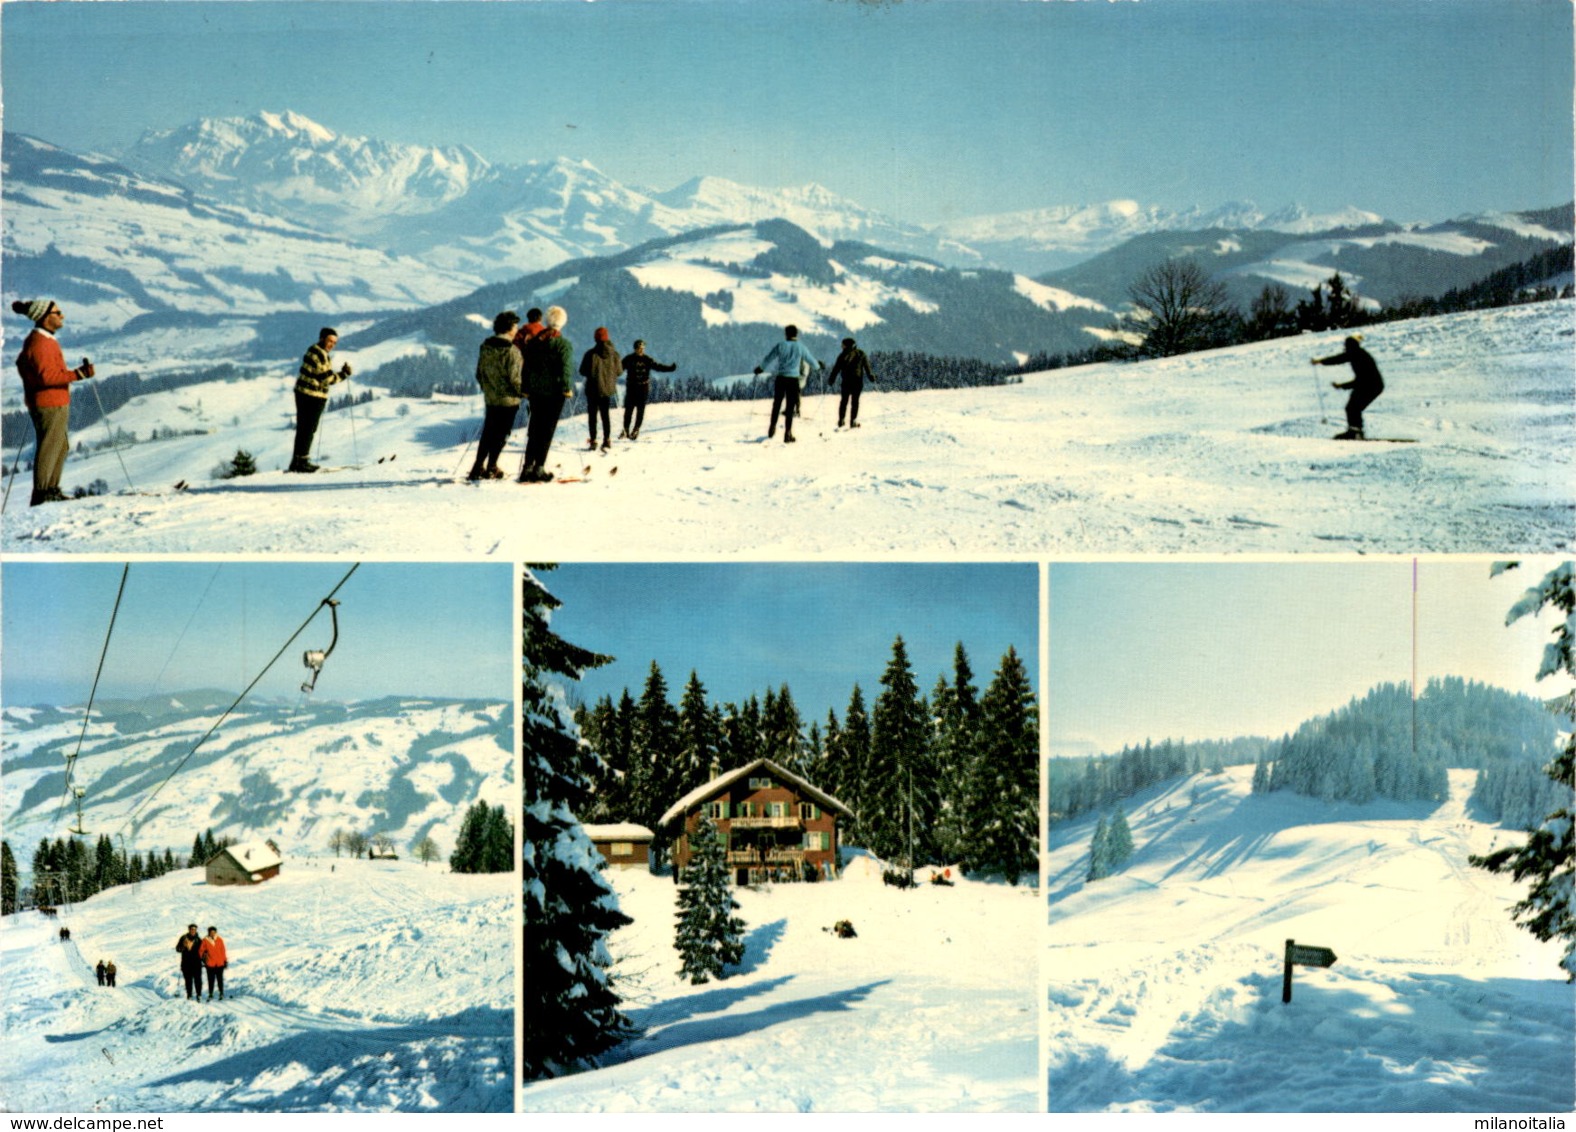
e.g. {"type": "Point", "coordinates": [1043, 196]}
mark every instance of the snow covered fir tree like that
{"type": "Point", "coordinates": [569, 1005]}
{"type": "Point", "coordinates": [1547, 858]}
{"type": "Point", "coordinates": [1111, 847]}
{"type": "Point", "coordinates": [709, 937]}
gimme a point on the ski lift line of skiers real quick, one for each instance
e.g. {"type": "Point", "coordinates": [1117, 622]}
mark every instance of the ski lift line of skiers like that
{"type": "Point", "coordinates": [528, 362]}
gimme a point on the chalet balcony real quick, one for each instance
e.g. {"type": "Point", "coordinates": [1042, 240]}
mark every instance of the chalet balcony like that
{"type": "Point", "coordinates": [793, 822]}
{"type": "Point", "coordinates": [781, 856]}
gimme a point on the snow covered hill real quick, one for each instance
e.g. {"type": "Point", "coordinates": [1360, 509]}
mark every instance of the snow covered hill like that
{"type": "Point", "coordinates": [1165, 980]}
{"type": "Point", "coordinates": [930, 1009]}
{"type": "Point", "coordinates": [115, 247]}
{"type": "Point", "coordinates": [405, 767]}
{"type": "Point", "coordinates": [1223, 451]}
{"type": "Point", "coordinates": [352, 986]}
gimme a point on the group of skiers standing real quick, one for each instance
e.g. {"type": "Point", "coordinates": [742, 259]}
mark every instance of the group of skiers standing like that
{"type": "Point", "coordinates": [202, 954]}
{"type": "Point", "coordinates": [533, 362]}
{"type": "Point", "coordinates": [105, 972]}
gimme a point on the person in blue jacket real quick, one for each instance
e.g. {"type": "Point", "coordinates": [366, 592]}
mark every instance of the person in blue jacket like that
{"type": "Point", "coordinates": [789, 363]}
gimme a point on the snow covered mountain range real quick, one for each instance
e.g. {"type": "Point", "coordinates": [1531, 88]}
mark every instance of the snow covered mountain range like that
{"type": "Point", "coordinates": [406, 767]}
{"type": "Point", "coordinates": [274, 215]}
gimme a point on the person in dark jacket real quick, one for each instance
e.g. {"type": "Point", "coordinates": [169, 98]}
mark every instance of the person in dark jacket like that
{"type": "Point", "coordinates": [317, 374]}
{"type": "Point", "coordinates": [601, 367]}
{"type": "Point", "coordinates": [549, 382]}
{"type": "Point", "coordinates": [190, 948]}
{"type": "Point", "coordinates": [46, 385]}
{"type": "Point", "coordinates": [109, 973]}
{"type": "Point", "coordinates": [1366, 384]}
{"type": "Point", "coordinates": [637, 386]}
{"type": "Point", "coordinates": [498, 369]}
{"type": "Point", "coordinates": [99, 971]}
{"type": "Point", "coordinates": [854, 368]}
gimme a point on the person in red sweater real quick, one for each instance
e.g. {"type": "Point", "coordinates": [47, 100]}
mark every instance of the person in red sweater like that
{"type": "Point", "coordinates": [214, 960]}
{"type": "Point", "coordinates": [47, 386]}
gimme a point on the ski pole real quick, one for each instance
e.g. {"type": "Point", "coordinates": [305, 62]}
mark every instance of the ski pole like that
{"type": "Point", "coordinates": [113, 443]}
{"type": "Point", "coordinates": [17, 463]}
{"type": "Point", "coordinates": [1318, 389]}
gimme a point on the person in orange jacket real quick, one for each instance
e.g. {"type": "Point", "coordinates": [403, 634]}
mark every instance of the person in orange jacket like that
{"type": "Point", "coordinates": [46, 383]}
{"type": "Point", "coordinates": [214, 961]}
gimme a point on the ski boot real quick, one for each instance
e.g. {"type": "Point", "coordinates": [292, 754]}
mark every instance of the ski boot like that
{"type": "Point", "coordinates": [301, 464]}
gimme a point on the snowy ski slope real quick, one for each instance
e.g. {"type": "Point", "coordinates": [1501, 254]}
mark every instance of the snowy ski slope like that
{"type": "Point", "coordinates": [1220, 452]}
{"type": "Point", "coordinates": [352, 986]}
{"type": "Point", "coordinates": [1165, 980]}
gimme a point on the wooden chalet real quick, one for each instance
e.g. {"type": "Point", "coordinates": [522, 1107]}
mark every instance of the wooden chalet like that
{"type": "Point", "coordinates": [623, 845]}
{"type": "Point", "coordinates": [774, 825]}
{"type": "Point", "coordinates": [251, 863]}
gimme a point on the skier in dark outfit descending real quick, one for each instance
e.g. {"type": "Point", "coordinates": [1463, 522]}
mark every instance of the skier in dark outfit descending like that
{"type": "Point", "coordinates": [854, 368]}
{"type": "Point", "coordinates": [1366, 384]}
{"type": "Point", "coordinates": [637, 386]}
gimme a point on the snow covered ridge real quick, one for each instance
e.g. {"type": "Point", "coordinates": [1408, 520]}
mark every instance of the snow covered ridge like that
{"type": "Point", "coordinates": [1167, 972]}
{"type": "Point", "coordinates": [401, 767]}
{"type": "Point", "coordinates": [1220, 452]}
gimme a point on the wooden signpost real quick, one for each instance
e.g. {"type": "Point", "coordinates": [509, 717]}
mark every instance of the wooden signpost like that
{"type": "Point", "coordinates": [1308, 957]}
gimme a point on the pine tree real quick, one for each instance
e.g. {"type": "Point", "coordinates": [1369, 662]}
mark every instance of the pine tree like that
{"type": "Point", "coordinates": [1100, 852]}
{"type": "Point", "coordinates": [1003, 795]}
{"type": "Point", "coordinates": [783, 731]}
{"type": "Point", "coordinates": [653, 771]}
{"type": "Point", "coordinates": [1548, 856]}
{"type": "Point", "coordinates": [497, 842]}
{"type": "Point", "coordinates": [854, 776]}
{"type": "Point", "coordinates": [8, 880]}
{"type": "Point", "coordinates": [699, 739]}
{"type": "Point", "coordinates": [1120, 839]}
{"type": "Point", "coordinates": [469, 846]}
{"type": "Point", "coordinates": [709, 937]}
{"type": "Point", "coordinates": [569, 1006]}
{"type": "Point", "coordinates": [900, 801]}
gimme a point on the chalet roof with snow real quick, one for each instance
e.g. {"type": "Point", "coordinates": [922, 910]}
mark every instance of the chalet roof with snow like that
{"type": "Point", "coordinates": [619, 831]}
{"type": "Point", "coordinates": [252, 857]}
{"type": "Point", "coordinates": [724, 781]}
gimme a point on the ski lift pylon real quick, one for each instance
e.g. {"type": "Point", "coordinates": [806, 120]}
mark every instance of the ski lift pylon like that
{"type": "Point", "coordinates": [314, 658]}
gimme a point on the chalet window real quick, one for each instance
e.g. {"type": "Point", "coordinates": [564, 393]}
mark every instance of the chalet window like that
{"type": "Point", "coordinates": [761, 783]}
{"type": "Point", "coordinates": [815, 839]}
{"type": "Point", "coordinates": [623, 848]}
{"type": "Point", "coordinates": [776, 809]}
{"type": "Point", "coordinates": [809, 811]}
{"type": "Point", "coordinates": [716, 809]}
{"type": "Point", "coordinates": [744, 810]}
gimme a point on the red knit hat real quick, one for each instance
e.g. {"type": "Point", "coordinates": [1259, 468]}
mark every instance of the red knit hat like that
{"type": "Point", "coordinates": [601, 334]}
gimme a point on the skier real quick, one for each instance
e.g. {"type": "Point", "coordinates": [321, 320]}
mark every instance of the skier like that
{"type": "Point", "coordinates": [637, 386]}
{"type": "Point", "coordinates": [46, 383]}
{"type": "Point", "coordinates": [214, 961]}
{"type": "Point", "coordinates": [549, 382]}
{"type": "Point", "coordinates": [190, 948]}
{"type": "Point", "coordinates": [109, 973]}
{"type": "Point", "coordinates": [854, 368]}
{"type": "Point", "coordinates": [311, 394]}
{"type": "Point", "coordinates": [1366, 384]}
{"type": "Point", "coordinates": [533, 326]}
{"type": "Point", "coordinates": [498, 370]}
{"type": "Point", "coordinates": [99, 971]}
{"type": "Point", "coordinates": [789, 363]}
{"type": "Point", "coordinates": [600, 367]}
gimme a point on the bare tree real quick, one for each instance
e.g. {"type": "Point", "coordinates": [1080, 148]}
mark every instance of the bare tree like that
{"type": "Point", "coordinates": [337, 841]}
{"type": "Point", "coordinates": [1184, 308]}
{"type": "Point", "coordinates": [356, 844]}
{"type": "Point", "coordinates": [426, 850]}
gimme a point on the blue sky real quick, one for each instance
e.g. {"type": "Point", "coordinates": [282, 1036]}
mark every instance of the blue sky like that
{"type": "Point", "coordinates": [423, 629]}
{"type": "Point", "coordinates": [818, 627]}
{"type": "Point", "coordinates": [926, 109]}
{"type": "Point", "coordinates": [1198, 651]}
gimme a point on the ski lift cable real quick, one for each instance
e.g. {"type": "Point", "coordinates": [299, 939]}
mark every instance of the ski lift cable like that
{"type": "Point", "coordinates": [71, 759]}
{"type": "Point", "coordinates": [237, 702]}
{"type": "Point", "coordinates": [157, 680]}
